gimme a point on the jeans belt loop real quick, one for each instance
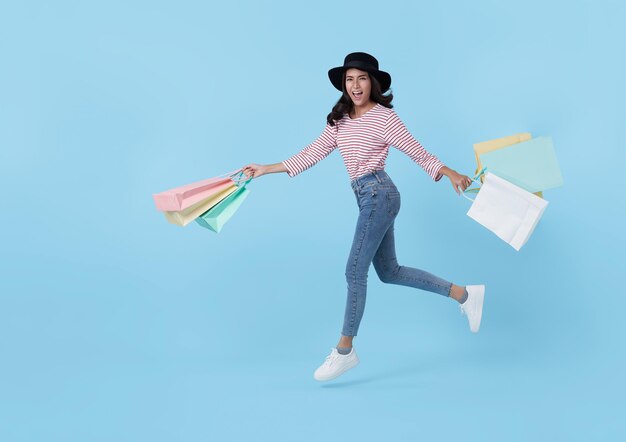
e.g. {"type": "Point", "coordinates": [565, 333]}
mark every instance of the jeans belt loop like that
{"type": "Point", "coordinates": [377, 177]}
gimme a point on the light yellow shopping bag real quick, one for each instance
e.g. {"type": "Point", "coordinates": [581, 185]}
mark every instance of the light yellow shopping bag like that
{"type": "Point", "coordinates": [184, 217]}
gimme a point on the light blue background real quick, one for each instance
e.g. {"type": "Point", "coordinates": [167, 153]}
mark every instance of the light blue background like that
{"type": "Point", "coordinates": [116, 326]}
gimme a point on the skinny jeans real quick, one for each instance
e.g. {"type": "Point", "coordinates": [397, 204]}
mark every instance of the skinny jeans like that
{"type": "Point", "coordinates": [379, 203]}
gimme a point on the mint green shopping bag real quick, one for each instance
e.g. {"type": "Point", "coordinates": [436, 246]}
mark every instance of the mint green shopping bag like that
{"type": "Point", "coordinates": [531, 165]}
{"type": "Point", "coordinates": [215, 218]}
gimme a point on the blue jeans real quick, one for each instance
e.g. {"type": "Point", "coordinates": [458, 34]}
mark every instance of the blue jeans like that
{"type": "Point", "coordinates": [379, 204]}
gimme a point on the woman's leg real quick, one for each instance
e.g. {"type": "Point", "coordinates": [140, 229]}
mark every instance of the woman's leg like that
{"type": "Point", "coordinates": [389, 271]}
{"type": "Point", "coordinates": [373, 222]}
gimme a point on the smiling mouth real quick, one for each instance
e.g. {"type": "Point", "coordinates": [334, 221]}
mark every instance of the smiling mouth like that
{"type": "Point", "coordinates": [357, 94]}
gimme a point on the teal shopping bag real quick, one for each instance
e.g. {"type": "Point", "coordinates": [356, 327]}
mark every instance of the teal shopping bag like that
{"type": "Point", "coordinates": [531, 165]}
{"type": "Point", "coordinates": [215, 218]}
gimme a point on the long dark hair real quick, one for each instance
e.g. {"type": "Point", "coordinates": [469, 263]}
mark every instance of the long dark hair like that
{"type": "Point", "coordinates": [346, 106]}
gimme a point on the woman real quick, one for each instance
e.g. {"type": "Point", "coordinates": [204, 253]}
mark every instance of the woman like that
{"type": "Point", "coordinates": [363, 125]}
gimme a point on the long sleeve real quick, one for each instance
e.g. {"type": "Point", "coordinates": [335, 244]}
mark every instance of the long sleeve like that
{"type": "Point", "coordinates": [313, 153]}
{"type": "Point", "coordinates": [397, 135]}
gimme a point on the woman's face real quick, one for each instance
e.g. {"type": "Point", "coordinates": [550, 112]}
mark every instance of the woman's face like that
{"type": "Point", "coordinates": [358, 86]}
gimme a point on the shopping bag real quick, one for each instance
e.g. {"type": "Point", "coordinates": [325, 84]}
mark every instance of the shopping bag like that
{"type": "Point", "coordinates": [491, 145]}
{"type": "Point", "coordinates": [509, 211]}
{"type": "Point", "coordinates": [215, 218]}
{"type": "Point", "coordinates": [499, 143]}
{"type": "Point", "coordinates": [184, 217]}
{"type": "Point", "coordinates": [180, 198]}
{"type": "Point", "coordinates": [531, 165]}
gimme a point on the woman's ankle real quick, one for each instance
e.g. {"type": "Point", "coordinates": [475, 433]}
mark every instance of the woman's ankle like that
{"type": "Point", "coordinates": [345, 341]}
{"type": "Point", "coordinates": [458, 293]}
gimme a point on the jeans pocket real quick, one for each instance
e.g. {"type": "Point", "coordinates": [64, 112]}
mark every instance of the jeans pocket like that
{"type": "Point", "coordinates": [368, 189]}
{"type": "Point", "coordinates": [393, 202]}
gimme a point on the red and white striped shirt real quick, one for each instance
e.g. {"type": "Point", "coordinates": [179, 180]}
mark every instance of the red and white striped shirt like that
{"type": "Point", "coordinates": [364, 145]}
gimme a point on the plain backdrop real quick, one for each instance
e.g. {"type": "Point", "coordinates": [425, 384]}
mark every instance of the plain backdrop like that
{"type": "Point", "coordinates": [117, 326]}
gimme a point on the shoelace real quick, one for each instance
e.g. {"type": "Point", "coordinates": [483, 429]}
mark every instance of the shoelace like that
{"type": "Point", "coordinates": [330, 358]}
{"type": "Point", "coordinates": [463, 312]}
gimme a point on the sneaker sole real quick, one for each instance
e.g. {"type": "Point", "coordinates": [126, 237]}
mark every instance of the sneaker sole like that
{"type": "Point", "coordinates": [480, 299]}
{"type": "Point", "coordinates": [336, 375]}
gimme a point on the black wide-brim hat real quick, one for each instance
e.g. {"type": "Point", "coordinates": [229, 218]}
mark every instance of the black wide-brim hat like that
{"type": "Point", "coordinates": [364, 62]}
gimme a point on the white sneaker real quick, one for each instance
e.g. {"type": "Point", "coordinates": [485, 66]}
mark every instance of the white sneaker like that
{"type": "Point", "coordinates": [335, 365]}
{"type": "Point", "coordinates": [473, 306]}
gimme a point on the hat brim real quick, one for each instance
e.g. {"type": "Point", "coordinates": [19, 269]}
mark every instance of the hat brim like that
{"type": "Point", "coordinates": [335, 75]}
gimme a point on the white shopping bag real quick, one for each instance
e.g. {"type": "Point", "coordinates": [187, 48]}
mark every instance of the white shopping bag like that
{"type": "Point", "coordinates": [507, 210]}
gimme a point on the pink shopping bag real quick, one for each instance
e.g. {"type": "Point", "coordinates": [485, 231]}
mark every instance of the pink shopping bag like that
{"type": "Point", "coordinates": [180, 198]}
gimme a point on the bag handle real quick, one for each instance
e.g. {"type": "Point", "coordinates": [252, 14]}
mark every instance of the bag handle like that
{"type": "Point", "coordinates": [229, 174]}
{"type": "Point", "coordinates": [235, 175]}
{"type": "Point", "coordinates": [476, 180]}
{"type": "Point", "coordinates": [238, 178]}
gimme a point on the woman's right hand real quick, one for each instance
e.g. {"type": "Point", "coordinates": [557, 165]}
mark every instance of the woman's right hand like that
{"type": "Point", "coordinates": [254, 170]}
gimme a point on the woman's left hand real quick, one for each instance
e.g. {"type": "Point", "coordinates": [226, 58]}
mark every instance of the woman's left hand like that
{"type": "Point", "coordinates": [459, 182]}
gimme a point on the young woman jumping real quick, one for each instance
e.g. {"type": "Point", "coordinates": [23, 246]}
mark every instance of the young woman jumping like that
{"type": "Point", "coordinates": [363, 125]}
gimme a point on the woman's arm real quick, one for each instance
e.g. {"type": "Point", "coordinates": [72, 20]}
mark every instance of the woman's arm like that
{"type": "Point", "coordinates": [256, 170]}
{"type": "Point", "coordinates": [307, 157]}
{"type": "Point", "coordinates": [459, 182]}
{"type": "Point", "coordinates": [398, 135]}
